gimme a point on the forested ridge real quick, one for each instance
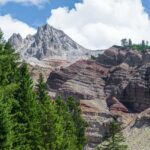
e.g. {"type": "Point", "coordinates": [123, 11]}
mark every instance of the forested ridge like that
{"type": "Point", "coordinates": [29, 119]}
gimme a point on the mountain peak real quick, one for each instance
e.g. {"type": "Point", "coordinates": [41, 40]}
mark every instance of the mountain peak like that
{"type": "Point", "coordinates": [48, 28]}
{"type": "Point", "coordinates": [16, 39]}
{"type": "Point", "coordinates": [48, 42]}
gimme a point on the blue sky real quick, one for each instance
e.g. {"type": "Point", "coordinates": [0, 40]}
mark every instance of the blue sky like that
{"type": "Point", "coordinates": [33, 15]}
{"type": "Point", "coordinates": [36, 16]}
{"type": "Point", "coordinates": [146, 4]}
{"type": "Point", "coordinates": [95, 24]}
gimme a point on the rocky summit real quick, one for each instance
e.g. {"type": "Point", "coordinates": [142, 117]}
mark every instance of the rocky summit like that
{"type": "Point", "coordinates": [114, 85]}
{"type": "Point", "coordinates": [49, 43]}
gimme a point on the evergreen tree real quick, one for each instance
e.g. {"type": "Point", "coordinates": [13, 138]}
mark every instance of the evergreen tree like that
{"type": "Point", "coordinates": [124, 43]}
{"type": "Point", "coordinates": [42, 94]}
{"type": "Point", "coordinates": [6, 122]}
{"type": "Point", "coordinates": [115, 139]}
{"type": "Point", "coordinates": [68, 135]}
{"type": "Point", "coordinates": [130, 42]}
{"type": "Point", "coordinates": [8, 64]}
{"type": "Point", "coordinates": [8, 85]}
{"type": "Point", "coordinates": [48, 116]}
{"type": "Point", "coordinates": [57, 125]}
{"type": "Point", "coordinates": [27, 130]}
{"type": "Point", "coordinates": [143, 43]}
{"type": "Point", "coordinates": [80, 124]}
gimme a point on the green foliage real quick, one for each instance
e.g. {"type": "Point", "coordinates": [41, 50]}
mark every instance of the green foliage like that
{"type": "Point", "coordinates": [61, 123]}
{"type": "Point", "coordinates": [140, 47]}
{"type": "Point", "coordinates": [80, 124]}
{"type": "Point", "coordinates": [115, 138]}
{"type": "Point", "coordinates": [68, 134]}
{"type": "Point", "coordinates": [124, 43]}
{"type": "Point", "coordinates": [127, 44]}
{"type": "Point", "coordinates": [42, 94]}
{"type": "Point", "coordinates": [8, 85]}
{"type": "Point", "coordinates": [29, 120]}
{"type": "Point", "coordinates": [26, 113]}
{"type": "Point", "coordinates": [6, 122]}
{"type": "Point", "coordinates": [130, 43]}
{"type": "Point", "coordinates": [49, 121]}
{"type": "Point", "coordinates": [6, 133]}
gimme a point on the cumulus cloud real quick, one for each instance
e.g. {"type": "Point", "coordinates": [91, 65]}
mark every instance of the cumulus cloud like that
{"type": "Point", "coordinates": [10, 25]}
{"type": "Point", "coordinates": [98, 24]}
{"type": "Point", "coordinates": [33, 2]}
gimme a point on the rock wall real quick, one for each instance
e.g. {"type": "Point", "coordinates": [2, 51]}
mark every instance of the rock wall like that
{"type": "Point", "coordinates": [116, 85]}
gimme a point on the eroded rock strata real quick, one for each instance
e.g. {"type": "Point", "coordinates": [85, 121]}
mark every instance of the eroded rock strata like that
{"type": "Point", "coordinates": [117, 85]}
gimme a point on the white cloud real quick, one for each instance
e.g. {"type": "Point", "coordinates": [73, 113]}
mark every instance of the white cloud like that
{"type": "Point", "coordinates": [10, 25]}
{"type": "Point", "coordinates": [33, 2]}
{"type": "Point", "coordinates": [101, 23]}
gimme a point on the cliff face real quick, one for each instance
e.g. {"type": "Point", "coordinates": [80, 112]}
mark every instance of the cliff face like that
{"type": "Point", "coordinates": [92, 80]}
{"type": "Point", "coordinates": [117, 85]}
{"type": "Point", "coordinates": [85, 81]}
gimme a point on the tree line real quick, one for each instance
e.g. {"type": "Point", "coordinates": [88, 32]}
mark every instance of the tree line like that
{"type": "Point", "coordinates": [29, 119]}
{"type": "Point", "coordinates": [128, 44]}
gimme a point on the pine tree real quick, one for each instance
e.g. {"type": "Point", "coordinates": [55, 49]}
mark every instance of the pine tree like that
{"type": "Point", "coordinates": [143, 43]}
{"type": "Point", "coordinates": [8, 63]}
{"type": "Point", "coordinates": [42, 94]}
{"type": "Point", "coordinates": [115, 140]}
{"type": "Point", "coordinates": [124, 43]}
{"type": "Point", "coordinates": [68, 135]}
{"type": "Point", "coordinates": [8, 85]}
{"type": "Point", "coordinates": [51, 122]}
{"type": "Point", "coordinates": [130, 42]}
{"type": "Point", "coordinates": [6, 122]}
{"type": "Point", "coordinates": [47, 115]}
{"type": "Point", "coordinates": [27, 130]}
{"type": "Point", "coordinates": [80, 124]}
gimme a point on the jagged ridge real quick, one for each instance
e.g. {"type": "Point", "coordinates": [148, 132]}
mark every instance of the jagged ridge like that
{"type": "Point", "coordinates": [49, 42]}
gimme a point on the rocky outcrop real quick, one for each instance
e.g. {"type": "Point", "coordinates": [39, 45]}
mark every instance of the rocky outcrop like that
{"type": "Point", "coordinates": [98, 118]}
{"type": "Point", "coordinates": [49, 43]}
{"type": "Point", "coordinates": [115, 105]}
{"type": "Point", "coordinates": [82, 80]}
{"type": "Point", "coordinates": [137, 133]}
{"type": "Point", "coordinates": [115, 55]}
{"type": "Point", "coordinates": [16, 40]}
{"type": "Point", "coordinates": [131, 87]}
{"type": "Point", "coordinates": [111, 57]}
{"type": "Point", "coordinates": [118, 86]}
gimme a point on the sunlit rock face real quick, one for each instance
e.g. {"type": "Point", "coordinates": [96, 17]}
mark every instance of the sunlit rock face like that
{"type": "Point", "coordinates": [49, 43]}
